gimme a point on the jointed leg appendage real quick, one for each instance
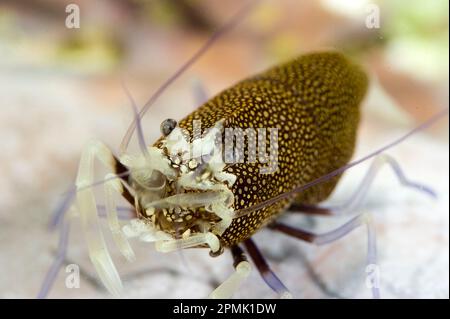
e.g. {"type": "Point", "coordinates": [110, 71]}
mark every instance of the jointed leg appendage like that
{"type": "Point", "coordinates": [50, 277]}
{"type": "Point", "coordinates": [372, 269]}
{"type": "Point", "coordinates": [87, 208]}
{"type": "Point", "coordinates": [336, 234]}
{"type": "Point", "coordinates": [319, 239]}
{"type": "Point", "coordinates": [113, 185]}
{"type": "Point", "coordinates": [358, 196]}
{"type": "Point", "coordinates": [351, 205]}
{"type": "Point", "coordinates": [355, 200]}
{"type": "Point", "coordinates": [266, 273]}
{"type": "Point", "coordinates": [232, 283]}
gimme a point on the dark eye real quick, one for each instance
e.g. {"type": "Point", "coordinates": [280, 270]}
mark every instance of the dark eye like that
{"type": "Point", "coordinates": [167, 126]}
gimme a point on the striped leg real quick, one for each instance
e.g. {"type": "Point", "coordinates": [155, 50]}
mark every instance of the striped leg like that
{"type": "Point", "coordinates": [232, 283]}
{"type": "Point", "coordinates": [336, 234]}
{"type": "Point", "coordinates": [379, 162]}
{"type": "Point", "coordinates": [266, 273]}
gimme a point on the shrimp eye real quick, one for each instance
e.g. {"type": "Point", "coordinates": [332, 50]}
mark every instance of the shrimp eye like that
{"type": "Point", "coordinates": [167, 126]}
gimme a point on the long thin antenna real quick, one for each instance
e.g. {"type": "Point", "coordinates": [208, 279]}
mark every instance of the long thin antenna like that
{"type": "Point", "coordinates": [423, 126]}
{"type": "Point", "coordinates": [137, 122]}
{"type": "Point", "coordinates": [235, 19]}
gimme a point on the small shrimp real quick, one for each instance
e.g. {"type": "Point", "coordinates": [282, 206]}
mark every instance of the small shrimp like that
{"type": "Point", "coordinates": [214, 191]}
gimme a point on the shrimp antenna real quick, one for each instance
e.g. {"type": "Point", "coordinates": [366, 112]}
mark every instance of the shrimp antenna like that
{"type": "Point", "coordinates": [235, 19]}
{"type": "Point", "coordinates": [326, 177]}
{"type": "Point", "coordinates": [137, 123]}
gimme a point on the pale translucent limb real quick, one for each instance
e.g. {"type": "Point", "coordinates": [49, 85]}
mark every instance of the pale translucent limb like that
{"type": "Point", "coordinates": [145, 232]}
{"type": "Point", "coordinates": [113, 186]}
{"type": "Point", "coordinates": [209, 239]}
{"type": "Point", "coordinates": [338, 233]}
{"type": "Point", "coordinates": [61, 209]}
{"type": "Point", "coordinates": [318, 239]}
{"type": "Point", "coordinates": [379, 162]}
{"type": "Point", "coordinates": [69, 197]}
{"type": "Point", "coordinates": [242, 270]}
{"type": "Point", "coordinates": [125, 213]}
{"type": "Point", "coordinates": [266, 273]}
{"type": "Point", "coordinates": [353, 203]}
{"type": "Point", "coordinates": [61, 252]}
{"type": "Point", "coordinates": [372, 268]}
{"type": "Point", "coordinates": [226, 215]}
{"type": "Point", "coordinates": [98, 252]}
{"type": "Point", "coordinates": [191, 200]}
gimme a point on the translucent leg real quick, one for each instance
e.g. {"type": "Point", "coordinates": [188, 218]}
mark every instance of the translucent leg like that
{"type": "Point", "coordinates": [98, 252]}
{"type": "Point", "coordinates": [50, 277]}
{"type": "Point", "coordinates": [60, 211]}
{"type": "Point", "coordinates": [232, 283]}
{"type": "Point", "coordinates": [124, 213]}
{"type": "Point", "coordinates": [372, 269]}
{"type": "Point", "coordinates": [336, 234]}
{"type": "Point", "coordinates": [266, 273]}
{"type": "Point", "coordinates": [113, 185]}
{"type": "Point", "coordinates": [358, 196]}
{"type": "Point", "coordinates": [354, 202]}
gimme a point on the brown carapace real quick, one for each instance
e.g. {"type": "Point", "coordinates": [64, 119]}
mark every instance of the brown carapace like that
{"type": "Point", "coordinates": [313, 101]}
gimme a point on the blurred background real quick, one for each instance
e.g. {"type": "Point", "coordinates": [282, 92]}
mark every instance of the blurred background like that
{"type": "Point", "coordinates": [60, 87]}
